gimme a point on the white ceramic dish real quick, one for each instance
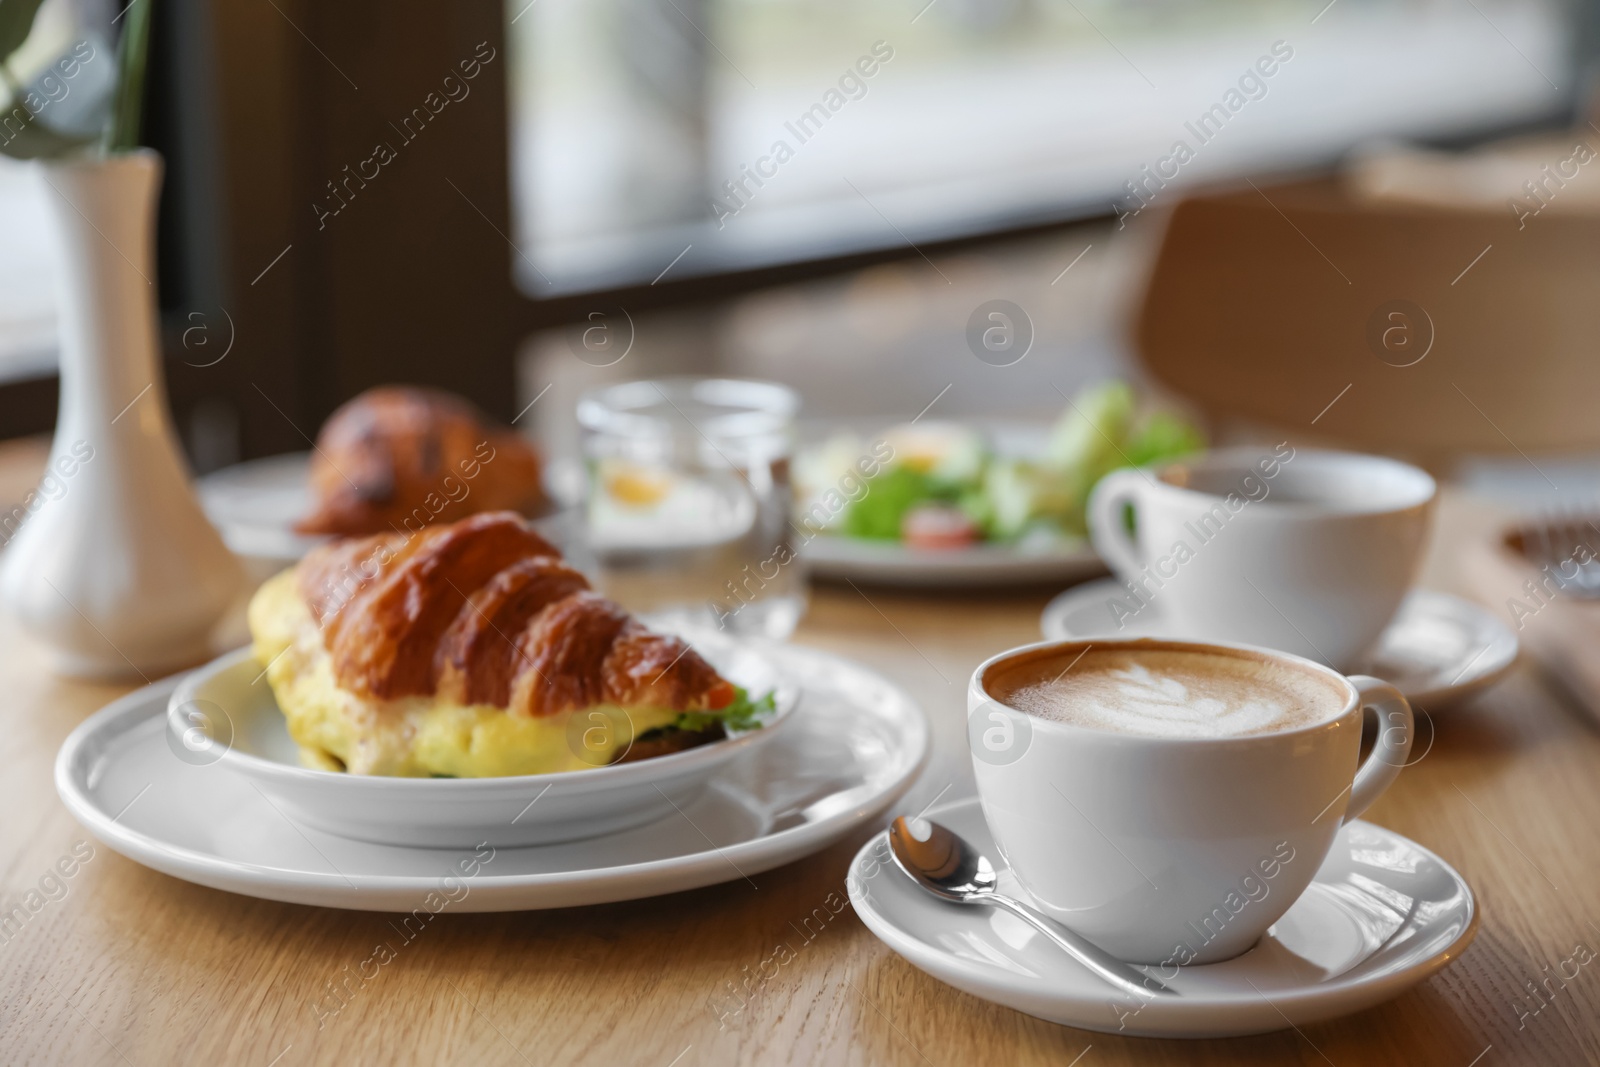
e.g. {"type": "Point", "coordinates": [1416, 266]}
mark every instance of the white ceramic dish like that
{"type": "Point", "coordinates": [1438, 650]}
{"type": "Point", "coordinates": [251, 739]}
{"type": "Point", "coordinates": [855, 748]}
{"type": "Point", "coordinates": [888, 563]}
{"type": "Point", "coordinates": [840, 558]}
{"type": "Point", "coordinates": [1382, 914]}
{"type": "Point", "coordinates": [255, 505]}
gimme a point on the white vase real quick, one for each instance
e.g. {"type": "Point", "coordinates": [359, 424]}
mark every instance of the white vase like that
{"type": "Point", "coordinates": [117, 569]}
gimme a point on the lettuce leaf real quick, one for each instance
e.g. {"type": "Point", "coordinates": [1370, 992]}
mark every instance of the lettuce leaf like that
{"type": "Point", "coordinates": [742, 714]}
{"type": "Point", "coordinates": [878, 514]}
{"type": "Point", "coordinates": [1164, 435]}
{"type": "Point", "coordinates": [1085, 439]}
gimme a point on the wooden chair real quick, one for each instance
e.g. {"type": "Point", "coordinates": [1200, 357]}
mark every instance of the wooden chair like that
{"type": "Point", "coordinates": [1383, 326]}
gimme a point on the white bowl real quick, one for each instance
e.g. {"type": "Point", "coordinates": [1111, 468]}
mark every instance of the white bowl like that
{"type": "Point", "coordinates": [250, 738]}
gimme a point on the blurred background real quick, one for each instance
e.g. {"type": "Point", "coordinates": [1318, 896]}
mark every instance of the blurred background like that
{"type": "Point", "coordinates": [822, 193]}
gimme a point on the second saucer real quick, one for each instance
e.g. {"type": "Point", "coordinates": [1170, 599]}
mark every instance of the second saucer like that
{"type": "Point", "coordinates": [1438, 650]}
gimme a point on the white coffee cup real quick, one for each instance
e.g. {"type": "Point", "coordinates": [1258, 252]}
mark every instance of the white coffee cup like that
{"type": "Point", "coordinates": [1171, 851]}
{"type": "Point", "coordinates": [1306, 551]}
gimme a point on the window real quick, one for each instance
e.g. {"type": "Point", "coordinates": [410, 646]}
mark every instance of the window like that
{"type": "Point", "coordinates": [27, 276]}
{"type": "Point", "coordinates": [676, 137]}
{"type": "Point", "coordinates": [30, 88]}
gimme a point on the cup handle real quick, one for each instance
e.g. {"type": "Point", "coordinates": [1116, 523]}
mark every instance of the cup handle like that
{"type": "Point", "coordinates": [1388, 755]}
{"type": "Point", "coordinates": [1108, 533]}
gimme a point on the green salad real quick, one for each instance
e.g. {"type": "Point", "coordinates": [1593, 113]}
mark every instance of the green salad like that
{"type": "Point", "coordinates": [943, 485]}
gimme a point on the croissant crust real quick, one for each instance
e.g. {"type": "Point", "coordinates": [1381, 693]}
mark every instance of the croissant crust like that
{"type": "Point", "coordinates": [406, 457]}
{"type": "Point", "coordinates": [484, 611]}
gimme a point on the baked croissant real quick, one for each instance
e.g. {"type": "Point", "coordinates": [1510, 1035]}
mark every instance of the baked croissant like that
{"type": "Point", "coordinates": [399, 458]}
{"type": "Point", "coordinates": [470, 650]}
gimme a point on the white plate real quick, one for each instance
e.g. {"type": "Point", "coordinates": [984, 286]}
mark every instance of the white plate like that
{"type": "Point", "coordinates": [853, 750]}
{"type": "Point", "coordinates": [1438, 650]}
{"type": "Point", "coordinates": [890, 563]}
{"type": "Point", "coordinates": [255, 505]}
{"type": "Point", "coordinates": [1382, 914]}
{"type": "Point", "coordinates": [231, 705]}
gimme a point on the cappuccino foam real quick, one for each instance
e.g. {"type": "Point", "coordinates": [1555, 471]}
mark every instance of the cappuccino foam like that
{"type": "Point", "coordinates": [1167, 692]}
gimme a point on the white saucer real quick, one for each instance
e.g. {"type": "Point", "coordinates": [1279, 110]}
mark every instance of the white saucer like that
{"type": "Point", "coordinates": [1438, 650]}
{"type": "Point", "coordinates": [1382, 914]}
{"type": "Point", "coordinates": [855, 745]}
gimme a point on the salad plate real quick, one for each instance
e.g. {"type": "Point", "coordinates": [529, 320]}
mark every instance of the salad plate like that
{"type": "Point", "coordinates": [1382, 914]}
{"type": "Point", "coordinates": [851, 559]}
{"type": "Point", "coordinates": [949, 504]}
{"type": "Point", "coordinates": [854, 746]}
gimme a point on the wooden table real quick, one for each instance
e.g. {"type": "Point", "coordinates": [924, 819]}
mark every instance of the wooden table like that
{"type": "Point", "coordinates": [134, 967]}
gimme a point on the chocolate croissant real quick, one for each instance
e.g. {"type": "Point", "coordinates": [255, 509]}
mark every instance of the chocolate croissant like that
{"type": "Point", "coordinates": [399, 458]}
{"type": "Point", "coordinates": [472, 649]}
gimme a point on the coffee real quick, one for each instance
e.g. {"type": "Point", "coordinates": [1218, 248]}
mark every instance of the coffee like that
{"type": "Point", "coordinates": [1167, 691]}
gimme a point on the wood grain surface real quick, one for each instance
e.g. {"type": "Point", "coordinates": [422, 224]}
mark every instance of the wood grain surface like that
{"type": "Point", "coordinates": [134, 967]}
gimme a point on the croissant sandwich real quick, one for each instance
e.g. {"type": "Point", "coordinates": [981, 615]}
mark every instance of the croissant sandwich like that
{"type": "Point", "coordinates": [472, 650]}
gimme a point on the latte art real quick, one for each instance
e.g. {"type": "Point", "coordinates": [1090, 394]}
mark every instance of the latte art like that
{"type": "Point", "coordinates": [1166, 692]}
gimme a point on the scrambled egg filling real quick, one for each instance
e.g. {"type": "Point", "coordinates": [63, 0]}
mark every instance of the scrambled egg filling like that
{"type": "Point", "coordinates": [418, 736]}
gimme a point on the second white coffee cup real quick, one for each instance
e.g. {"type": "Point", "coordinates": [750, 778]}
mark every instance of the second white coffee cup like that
{"type": "Point", "coordinates": [1304, 550]}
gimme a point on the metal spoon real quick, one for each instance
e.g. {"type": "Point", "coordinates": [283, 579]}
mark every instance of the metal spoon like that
{"type": "Point", "coordinates": [947, 866]}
